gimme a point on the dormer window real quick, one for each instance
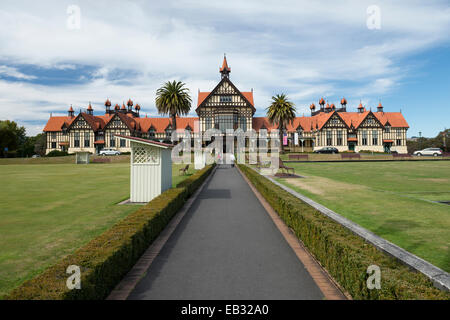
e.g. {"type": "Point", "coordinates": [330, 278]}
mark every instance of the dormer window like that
{"type": "Point", "coordinates": [151, 133]}
{"type": "Point", "coordinates": [168, 132]}
{"type": "Point", "coordinates": [299, 131]}
{"type": "Point", "coordinates": [388, 129]}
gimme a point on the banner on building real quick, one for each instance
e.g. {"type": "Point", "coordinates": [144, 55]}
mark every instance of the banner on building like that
{"type": "Point", "coordinates": [296, 138]}
{"type": "Point", "coordinates": [285, 139]}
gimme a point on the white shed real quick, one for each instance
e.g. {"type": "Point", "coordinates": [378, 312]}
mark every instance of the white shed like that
{"type": "Point", "coordinates": [151, 168]}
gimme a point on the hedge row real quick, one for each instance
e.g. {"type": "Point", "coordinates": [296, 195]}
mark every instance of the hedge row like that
{"type": "Point", "coordinates": [345, 255]}
{"type": "Point", "coordinates": [105, 260]}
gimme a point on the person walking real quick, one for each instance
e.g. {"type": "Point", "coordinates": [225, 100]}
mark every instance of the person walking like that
{"type": "Point", "coordinates": [232, 158]}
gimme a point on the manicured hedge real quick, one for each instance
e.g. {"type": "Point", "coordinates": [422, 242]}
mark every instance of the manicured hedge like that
{"type": "Point", "coordinates": [345, 255]}
{"type": "Point", "coordinates": [105, 260]}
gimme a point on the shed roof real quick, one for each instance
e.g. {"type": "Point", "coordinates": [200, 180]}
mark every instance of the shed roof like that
{"type": "Point", "coordinates": [145, 141]}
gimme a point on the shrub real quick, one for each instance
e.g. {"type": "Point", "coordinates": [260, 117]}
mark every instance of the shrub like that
{"type": "Point", "coordinates": [57, 153]}
{"type": "Point", "coordinates": [105, 260]}
{"type": "Point", "coordinates": [345, 255]}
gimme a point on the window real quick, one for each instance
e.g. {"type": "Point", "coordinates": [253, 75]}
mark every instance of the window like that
{"type": "Point", "coordinates": [244, 124]}
{"type": "Point", "coordinates": [399, 142]}
{"type": "Point", "coordinates": [112, 142]}
{"type": "Point", "coordinates": [225, 122]}
{"type": "Point", "coordinates": [329, 140]}
{"type": "Point", "coordinates": [168, 133]}
{"type": "Point", "coordinates": [375, 137]}
{"type": "Point", "coordinates": [53, 135]}
{"type": "Point", "coordinates": [364, 138]}
{"type": "Point", "coordinates": [53, 145]}
{"type": "Point", "coordinates": [151, 133]}
{"type": "Point", "coordinates": [87, 139]}
{"type": "Point", "coordinates": [208, 123]}
{"type": "Point", "coordinates": [76, 141]}
{"type": "Point", "coordinates": [388, 129]}
{"type": "Point", "coordinates": [225, 98]}
{"type": "Point", "coordinates": [399, 133]}
{"type": "Point", "coordinates": [334, 121]}
{"type": "Point", "coordinates": [117, 122]}
{"type": "Point", "coordinates": [339, 138]}
{"type": "Point", "coordinates": [122, 143]}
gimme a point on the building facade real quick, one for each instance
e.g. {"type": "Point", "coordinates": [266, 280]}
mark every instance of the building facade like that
{"type": "Point", "coordinates": [226, 107]}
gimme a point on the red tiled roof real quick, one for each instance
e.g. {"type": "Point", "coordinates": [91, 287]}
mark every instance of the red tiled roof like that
{"type": "Point", "coordinates": [395, 119]}
{"type": "Point", "coordinates": [356, 118]}
{"type": "Point", "coordinates": [262, 122]}
{"type": "Point", "coordinates": [160, 124]}
{"type": "Point", "coordinates": [99, 142]}
{"type": "Point", "coordinates": [56, 123]}
{"type": "Point", "coordinates": [388, 140]}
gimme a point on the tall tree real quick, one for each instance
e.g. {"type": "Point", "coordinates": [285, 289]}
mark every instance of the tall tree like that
{"type": "Point", "coordinates": [173, 99]}
{"type": "Point", "coordinates": [281, 112]}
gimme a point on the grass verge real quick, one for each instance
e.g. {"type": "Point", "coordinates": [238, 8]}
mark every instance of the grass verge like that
{"type": "Point", "coordinates": [107, 258]}
{"type": "Point", "coordinates": [345, 255]}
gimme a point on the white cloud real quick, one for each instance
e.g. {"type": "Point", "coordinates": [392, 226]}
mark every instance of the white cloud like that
{"type": "Point", "coordinates": [14, 73]}
{"type": "Point", "coordinates": [304, 48]}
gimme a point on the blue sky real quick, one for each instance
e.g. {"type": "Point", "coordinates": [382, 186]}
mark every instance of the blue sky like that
{"type": "Point", "coordinates": [307, 49]}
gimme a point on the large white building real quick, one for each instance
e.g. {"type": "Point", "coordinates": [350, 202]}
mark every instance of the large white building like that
{"type": "Point", "coordinates": [226, 107]}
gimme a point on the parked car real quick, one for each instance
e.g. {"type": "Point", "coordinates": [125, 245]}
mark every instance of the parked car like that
{"type": "Point", "coordinates": [428, 152]}
{"type": "Point", "coordinates": [109, 152]}
{"type": "Point", "coordinates": [36, 156]}
{"type": "Point", "coordinates": [327, 150]}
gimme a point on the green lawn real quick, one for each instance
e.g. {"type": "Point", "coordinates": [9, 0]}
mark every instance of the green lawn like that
{"type": "Point", "coordinates": [392, 199]}
{"type": "Point", "coordinates": [48, 211]}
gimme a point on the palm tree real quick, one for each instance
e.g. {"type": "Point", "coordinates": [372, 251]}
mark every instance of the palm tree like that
{"type": "Point", "coordinates": [281, 112]}
{"type": "Point", "coordinates": [173, 99]}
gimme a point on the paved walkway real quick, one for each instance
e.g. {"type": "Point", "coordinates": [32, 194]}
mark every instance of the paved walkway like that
{"type": "Point", "coordinates": [226, 247]}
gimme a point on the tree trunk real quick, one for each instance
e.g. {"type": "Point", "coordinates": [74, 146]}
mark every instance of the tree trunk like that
{"type": "Point", "coordinates": [174, 124]}
{"type": "Point", "coordinates": [281, 139]}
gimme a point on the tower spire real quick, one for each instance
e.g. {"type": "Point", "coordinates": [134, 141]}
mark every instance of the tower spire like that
{"type": "Point", "coordinates": [225, 70]}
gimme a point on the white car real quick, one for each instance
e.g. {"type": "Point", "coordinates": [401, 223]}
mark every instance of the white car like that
{"type": "Point", "coordinates": [109, 152]}
{"type": "Point", "coordinates": [428, 152]}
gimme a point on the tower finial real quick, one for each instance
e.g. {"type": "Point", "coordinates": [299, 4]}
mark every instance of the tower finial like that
{"type": "Point", "coordinates": [225, 70]}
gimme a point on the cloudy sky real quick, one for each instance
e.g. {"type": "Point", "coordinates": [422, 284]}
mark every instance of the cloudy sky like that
{"type": "Point", "coordinates": [397, 52]}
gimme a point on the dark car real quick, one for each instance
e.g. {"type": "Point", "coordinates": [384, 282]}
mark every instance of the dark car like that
{"type": "Point", "coordinates": [327, 150]}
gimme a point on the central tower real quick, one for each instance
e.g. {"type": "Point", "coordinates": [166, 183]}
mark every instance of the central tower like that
{"type": "Point", "coordinates": [225, 70]}
{"type": "Point", "coordinates": [225, 107]}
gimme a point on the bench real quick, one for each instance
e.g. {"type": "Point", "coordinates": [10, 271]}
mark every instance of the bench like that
{"type": "Point", "coordinates": [298, 156]}
{"type": "Point", "coordinates": [184, 170]}
{"type": "Point", "coordinates": [101, 160]}
{"type": "Point", "coordinates": [350, 156]}
{"type": "Point", "coordinates": [283, 167]}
